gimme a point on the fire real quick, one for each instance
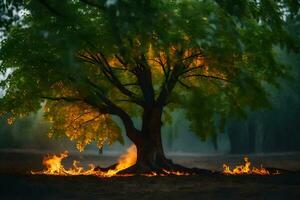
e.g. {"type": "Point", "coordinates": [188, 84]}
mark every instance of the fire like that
{"type": "Point", "coordinates": [167, 173]}
{"type": "Point", "coordinates": [53, 165]}
{"type": "Point", "coordinates": [246, 169]}
{"type": "Point", "coordinates": [176, 173]}
{"type": "Point", "coordinates": [125, 161]}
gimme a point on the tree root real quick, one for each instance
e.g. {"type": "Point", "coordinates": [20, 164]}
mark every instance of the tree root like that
{"type": "Point", "coordinates": [175, 169]}
{"type": "Point", "coordinates": [106, 169]}
{"type": "Point", "coordinates": [163, 168]}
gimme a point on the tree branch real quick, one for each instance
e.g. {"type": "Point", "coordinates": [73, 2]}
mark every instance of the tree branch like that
{"type": "Point", "coordinates": [102, 108]}
{"type": "Point", "coordinates": [69, 99]}
{"type": "Point", "coordinates": [207, 76]}
{"type": "Point", "coordinates": [183, 84]}
{"type": "Point", "coordinates": [191, 69]}
{"type": "Point", "coordinates": [79, 116]}
{"type": "Point", "coordinates": [144, 78]}
{"type": "Point", "coordinates": [173, 77]}
{"type": "Point", "coordinates": [106, 69]}
{"type": "Point", "coordinates": [131, 131]}
{"type": "Point", "coordinates": [193, 56]}
{"type": "Point", "coordinates": [168, 86]}
{"type": "Point", "coordinates": [90, 120]}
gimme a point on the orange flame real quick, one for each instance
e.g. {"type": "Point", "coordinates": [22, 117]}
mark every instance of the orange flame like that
{"type": "Point", "coordinates": [54, 166]}
{"type": "Point", "coordinates": [245, 169]}
{"type": "Point", "coordinates": [125, 161]}
{"type": "Point", "coordinates": [167, 173]}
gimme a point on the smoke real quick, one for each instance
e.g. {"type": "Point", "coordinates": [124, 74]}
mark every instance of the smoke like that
{"type": "Point", "coordinates": [29, 133]}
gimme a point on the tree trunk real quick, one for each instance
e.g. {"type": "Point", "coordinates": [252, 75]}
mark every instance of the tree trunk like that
{"type": "Point", "coordinates": [150, 154]}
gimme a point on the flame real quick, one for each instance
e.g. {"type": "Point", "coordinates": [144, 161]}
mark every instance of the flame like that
{"type": "Point", "coordinates": [245, 169]}
{"type": "Point", "coordinates": [53, 165]}
{"type": "Point", "coordinates": [125, 161]}
{"type": "Point", "coordinates": [176, 173]}
{"type": "Point", "coordinates": [167, 173]}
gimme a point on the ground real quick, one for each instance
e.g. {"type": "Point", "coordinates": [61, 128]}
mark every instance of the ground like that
{"type": "Point", "coordinates": [17, 183]}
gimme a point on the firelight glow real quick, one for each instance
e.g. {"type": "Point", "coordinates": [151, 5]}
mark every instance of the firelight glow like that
{"type": "Point", "coordinates": [53, 166]}
{"type": "Point", "coordinates": [245, 169]}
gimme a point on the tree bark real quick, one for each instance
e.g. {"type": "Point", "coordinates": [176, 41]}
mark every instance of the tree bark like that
{"type": "Point", "coordinates": [150, 154]}
{"type": "Point", "coordinates": [150, 151]}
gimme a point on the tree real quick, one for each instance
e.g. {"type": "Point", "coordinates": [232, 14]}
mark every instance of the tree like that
{"type": "Point", "coordinates": [85, 61]}
{"type": "Point", "coordinates": [266, 130]}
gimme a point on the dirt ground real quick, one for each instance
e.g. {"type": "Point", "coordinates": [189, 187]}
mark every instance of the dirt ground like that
{"type": "Point", "coordinates": [17, 183]}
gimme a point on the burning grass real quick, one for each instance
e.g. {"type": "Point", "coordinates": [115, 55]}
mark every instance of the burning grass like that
{"type": "Point", "coordinates": [53, 166]}
{"type": "Point", "coordinates": [246, 169]}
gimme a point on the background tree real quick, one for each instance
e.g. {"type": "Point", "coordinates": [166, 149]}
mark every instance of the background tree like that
{"type": "Point", "coordinates": [85, 61]}
{"type": "Point", "coordinates": [276, 129]}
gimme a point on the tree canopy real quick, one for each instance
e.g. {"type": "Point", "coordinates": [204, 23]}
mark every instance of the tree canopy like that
{"type": "Point", "coordinates": [10, 15]}
{"type": "Point", "coordinates": [85, 61]}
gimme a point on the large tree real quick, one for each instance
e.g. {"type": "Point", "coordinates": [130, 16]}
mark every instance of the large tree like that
{"type": "Point", "coordinates": [85, 61]}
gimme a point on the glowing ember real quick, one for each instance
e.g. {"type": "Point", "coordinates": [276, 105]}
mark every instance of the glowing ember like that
{"type": "Point", "coordinates": [167, 173]}
{"type": "Point", "coordinates": [177, 173]}
{"type": "Point", "coordinates": [245, 169]}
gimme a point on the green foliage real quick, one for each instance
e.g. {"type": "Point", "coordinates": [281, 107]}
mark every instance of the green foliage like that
{"type": "Point", "coordinates": [212, 58]}
{"type": "Point", "coordinates": [10, 15]}
{"type": "Point", "coordinates": [82, 123]}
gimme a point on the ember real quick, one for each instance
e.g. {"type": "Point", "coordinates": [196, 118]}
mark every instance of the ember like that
{"type": "Point", "coordinates": [245, 169]}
